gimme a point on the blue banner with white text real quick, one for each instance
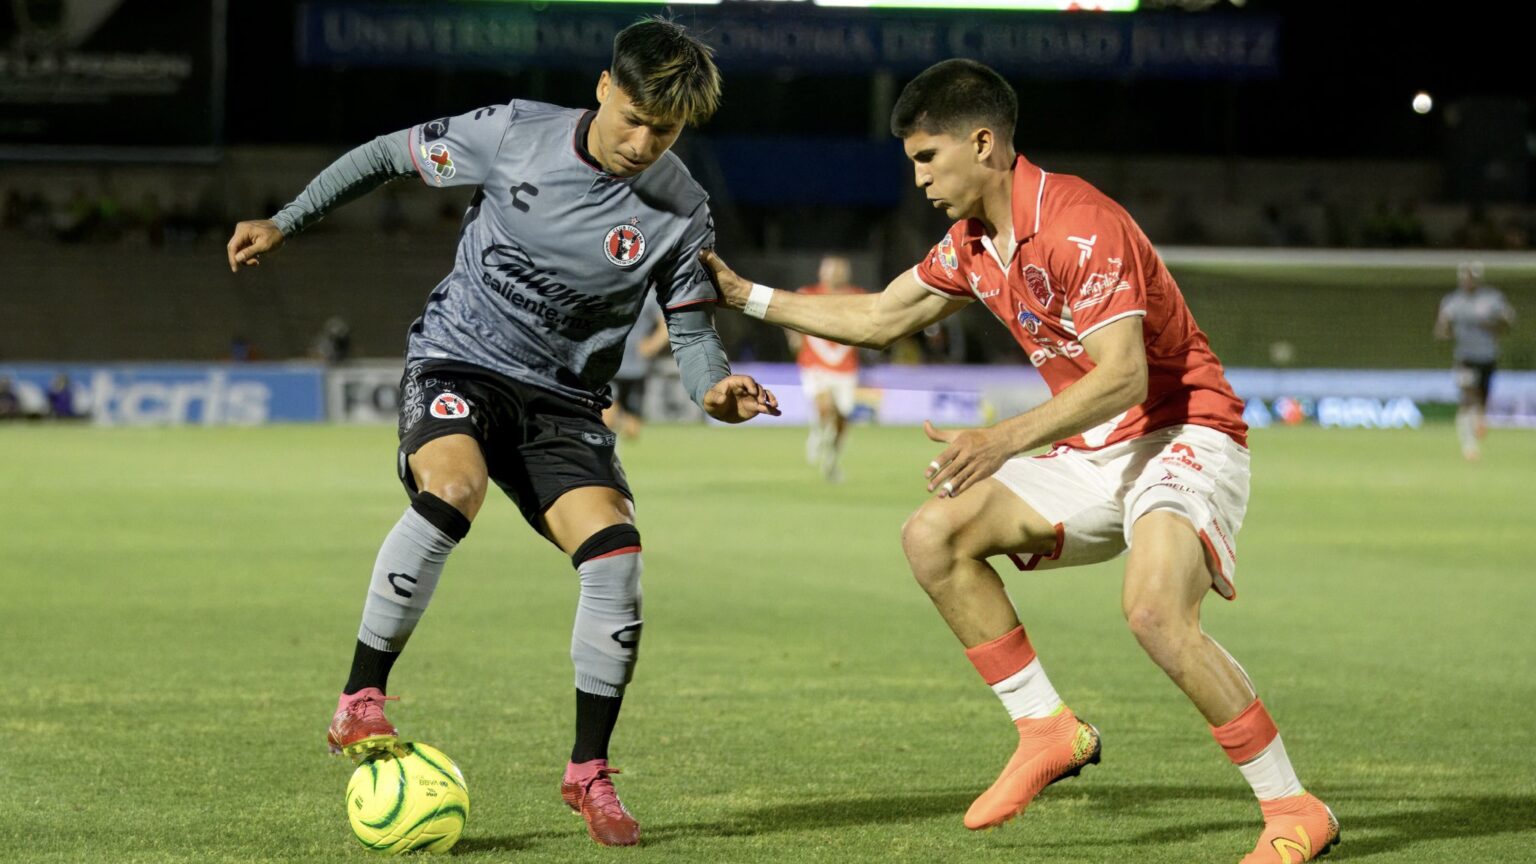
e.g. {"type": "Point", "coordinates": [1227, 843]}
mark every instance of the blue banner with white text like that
{"type": "Point", "coordinates": [173, 393]}
{"type": "Point", "coordinates": [774, 37]}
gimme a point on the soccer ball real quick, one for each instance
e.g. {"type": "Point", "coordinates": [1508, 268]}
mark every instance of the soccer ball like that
{"type": "Point", "coordinates": [411, 799]}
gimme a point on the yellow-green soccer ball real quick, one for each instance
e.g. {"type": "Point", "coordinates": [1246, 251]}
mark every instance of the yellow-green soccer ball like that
{"type": "Point", "coordinates": [411, 799]}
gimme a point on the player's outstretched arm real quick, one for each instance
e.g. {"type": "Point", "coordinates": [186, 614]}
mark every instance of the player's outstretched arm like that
{"type": "Point", "coordinates": [865, 320]}
{"type": "Point", "coordinates": [358, 172]}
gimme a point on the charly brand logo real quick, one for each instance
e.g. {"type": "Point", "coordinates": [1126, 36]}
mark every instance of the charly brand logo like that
{"type": "Point", "coordinates": [403, 577]}
{"type": "Point", "coordinates": [628, 636]}
{"type": "Point", "coordinates": [624, 245]}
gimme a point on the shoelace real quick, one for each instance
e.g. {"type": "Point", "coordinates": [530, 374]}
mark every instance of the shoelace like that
{"type": "Point", "coordinates": [371, 707]}
{"type": "Point", "coordinates": [599, 792]}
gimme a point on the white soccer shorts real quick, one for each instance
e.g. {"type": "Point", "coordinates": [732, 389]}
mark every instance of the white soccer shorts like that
{"type": "Point", "coordinates": [1094, 497]}
{"type": "Point", "coordinates": [841, 385]}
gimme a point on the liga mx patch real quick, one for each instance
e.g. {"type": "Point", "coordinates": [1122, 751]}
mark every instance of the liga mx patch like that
{"type": "Point", "coordinates": [624, 245]}
{"type": "Point", "coordinates": [449, 406]}
{"type": "Point", "coordinates": [441, 161]}
{"type": "Point", "coordinates": [947, 256]}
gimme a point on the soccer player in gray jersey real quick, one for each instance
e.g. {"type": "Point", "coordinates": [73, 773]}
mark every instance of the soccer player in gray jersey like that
{"type": "Point", "coordinates": [1475, 315]}
{"type": "Point", "coordinates": [578, 215]}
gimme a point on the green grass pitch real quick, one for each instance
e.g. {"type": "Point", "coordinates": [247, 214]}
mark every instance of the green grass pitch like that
{"type": "Point", "coordinates": [180, 606]}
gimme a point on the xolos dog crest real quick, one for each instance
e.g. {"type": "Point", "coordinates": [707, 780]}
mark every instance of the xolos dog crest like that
{"type": "Point", "coordinates": [449, 406]}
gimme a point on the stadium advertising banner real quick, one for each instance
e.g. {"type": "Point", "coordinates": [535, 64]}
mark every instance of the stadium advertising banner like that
{"type": "Point", "coordinates": [177, 394]}
{"type": "Point", "coordinates": [150, 71]}
{"type": "Point", "coordinates": [770, 36]}
{"type": "Point", "coordinates": [363, 393]}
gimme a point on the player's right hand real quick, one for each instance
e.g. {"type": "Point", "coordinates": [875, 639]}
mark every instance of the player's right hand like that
{"type": "Point", "coordinates": [250, 240]}
{"type": "Point", "coordinates": [734, 290]}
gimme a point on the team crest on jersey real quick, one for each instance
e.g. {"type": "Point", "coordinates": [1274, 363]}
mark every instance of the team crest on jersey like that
{"type": "Point", "coordinates": [449, 406]}
{"type": "Point", "coordinates": [1029, 320]}
{"type": "Point", "coordinates": [1039, 283]}
{"type": "Point", "coordinates": [624, 245]}
{"type": "Point", "coordinates": [947, 256]}
{"type": "Point", "coordinates": [441, 161]}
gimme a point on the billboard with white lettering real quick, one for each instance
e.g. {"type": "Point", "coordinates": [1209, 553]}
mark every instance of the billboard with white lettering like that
{"type": "Point", "coordinates": [175, 394]}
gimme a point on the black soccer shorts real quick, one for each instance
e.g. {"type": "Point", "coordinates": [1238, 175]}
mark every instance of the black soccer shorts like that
{"type": "Point", "coordinates": [1475, 376]}
{"type": "Point", "coordinates": [538, 445]}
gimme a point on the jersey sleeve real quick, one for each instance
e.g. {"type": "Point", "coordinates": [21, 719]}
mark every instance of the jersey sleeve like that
{"type": "Point", "coordinates": [1099, 262]}
{"type": "Point", "coordinates": [1504, 310]}
{"type": "Point", "coordinates": [683, 280]}
{"type": "Point", "coordinates": [460, 150]}
{"type": "Point", "coordinates": [939, 272]}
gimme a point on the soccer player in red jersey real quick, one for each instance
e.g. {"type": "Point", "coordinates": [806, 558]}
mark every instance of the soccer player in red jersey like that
{"type": "Point", "coordinates": [1149, 450]}
{"type": "Point", "coordinates": [829, 376]}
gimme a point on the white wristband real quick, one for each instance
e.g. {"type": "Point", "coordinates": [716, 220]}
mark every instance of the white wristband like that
{"type": "Point", "coordinates": [757, 301]}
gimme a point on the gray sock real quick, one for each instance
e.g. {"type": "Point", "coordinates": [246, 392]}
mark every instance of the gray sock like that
{"type": "Point", "coordinates": [404, 577]}
{"type": "Point", "coordinates": [606, 638]}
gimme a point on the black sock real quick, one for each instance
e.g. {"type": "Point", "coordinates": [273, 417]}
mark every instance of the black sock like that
{"type": "Point", "coordinates": [595, 719]}
{"type": "Point", "coordinates": [370, 668]}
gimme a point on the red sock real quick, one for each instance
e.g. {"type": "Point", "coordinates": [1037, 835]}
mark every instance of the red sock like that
{"type": "Point", "coordinates": [1002, 656]}
{"type": "Point", "coordinates": [1246, 735]}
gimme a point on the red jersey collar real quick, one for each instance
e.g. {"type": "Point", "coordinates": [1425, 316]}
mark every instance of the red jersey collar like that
{"type": "Point", "coordinates": [1028, 189]}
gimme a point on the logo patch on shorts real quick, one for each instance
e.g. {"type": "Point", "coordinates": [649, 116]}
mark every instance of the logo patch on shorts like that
{"type": "Point", "coordinates": [449, 406]}
{"type": "Point", "coordinates": [624, 245]}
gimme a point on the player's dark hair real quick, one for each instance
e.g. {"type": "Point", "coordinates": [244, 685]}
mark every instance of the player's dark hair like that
{"type": "Point", "coordinates": [666, 70]}
{"type": "Point", "coordinates": [954, 97]}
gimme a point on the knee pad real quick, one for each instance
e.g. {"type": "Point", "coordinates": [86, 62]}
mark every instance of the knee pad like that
{"type": "Point", "coordinates": [606, 638]}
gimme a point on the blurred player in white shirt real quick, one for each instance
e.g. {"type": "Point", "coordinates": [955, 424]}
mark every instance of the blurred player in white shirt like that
{"type": "Point", "coordinates": [1475, 315]}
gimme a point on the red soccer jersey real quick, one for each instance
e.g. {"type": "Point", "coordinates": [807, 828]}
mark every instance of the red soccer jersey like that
{"type": "Point", "coordinates": [1082, 263]}
{"type": "Point", "coordinates": [823, 355]}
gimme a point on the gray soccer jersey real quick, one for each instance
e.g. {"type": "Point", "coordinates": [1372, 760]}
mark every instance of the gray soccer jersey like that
{"type": "Point", "coordinates": [556, 255]}
{"type": "Point", "coordinates": [1472, 317]}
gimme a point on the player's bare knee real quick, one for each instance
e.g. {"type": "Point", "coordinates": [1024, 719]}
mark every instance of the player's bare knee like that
{"type": "Point", "coordinates": [1158, 625]}
{"type": "Point", "coordinates": [929, 534]}
{"type": "Point", "coordinates": [462, 492]}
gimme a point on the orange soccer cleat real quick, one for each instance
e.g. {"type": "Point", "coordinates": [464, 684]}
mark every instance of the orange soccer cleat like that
{"type": "Point", "coordinates": [587, 790]}
{"type": "Point", "coordinates": [1296, 829]}
{"type": "Point", "coordinates": [359, 727]}
{"type": "Point", "coordinates": [1051, 749]}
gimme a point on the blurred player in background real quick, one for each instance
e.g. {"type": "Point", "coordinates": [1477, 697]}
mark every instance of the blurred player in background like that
{"type": "Point", "coordinates": [1150, 447]}
{"type": "Point", "coordinates": [578, 216]}
{"type": "Point", "coordinates": [1475, 315]}
{"type": "Point", "coordinates": [829, 376]}
{"type": "Point", "coordinates": [645, 342]}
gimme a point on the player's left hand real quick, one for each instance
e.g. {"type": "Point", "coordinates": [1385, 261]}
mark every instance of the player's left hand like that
{"type": "Point", "coordinates": [734, 290]}
{"type": "Point", "coordinates": [972, 456]}
{"type": "Point", "coordinates": [738, 398]}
